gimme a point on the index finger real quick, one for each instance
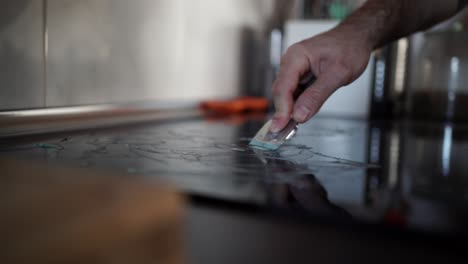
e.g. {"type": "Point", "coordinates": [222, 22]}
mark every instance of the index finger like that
{"type": "Point", "coordinates": [293, 67]}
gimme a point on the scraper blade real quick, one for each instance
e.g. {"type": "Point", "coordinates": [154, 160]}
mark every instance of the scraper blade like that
{"type": "Point", "coordinates": [265, 139]}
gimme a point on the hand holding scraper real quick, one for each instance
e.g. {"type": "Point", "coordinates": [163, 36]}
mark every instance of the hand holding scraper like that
{"type": "Point", "coordinates": [267, 140]}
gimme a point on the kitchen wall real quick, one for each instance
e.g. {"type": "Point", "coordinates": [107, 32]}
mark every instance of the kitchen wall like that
{"type": "Point", "coordinates": [21, 54]}
{"type": "Point", "coordinates": [72, 52]}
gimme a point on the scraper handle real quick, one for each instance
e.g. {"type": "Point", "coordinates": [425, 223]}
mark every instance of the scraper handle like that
{"type": "Point", "coordinates": [305, 83]}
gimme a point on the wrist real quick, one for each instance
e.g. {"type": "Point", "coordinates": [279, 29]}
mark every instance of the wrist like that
{"type": "Point", "coordinates": [356, 36]}
{"type": "Point", "coordinates": [374, 22]}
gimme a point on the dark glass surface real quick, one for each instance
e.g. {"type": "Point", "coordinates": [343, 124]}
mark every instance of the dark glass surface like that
{"type": "Point", "coordinates": [406, 175]}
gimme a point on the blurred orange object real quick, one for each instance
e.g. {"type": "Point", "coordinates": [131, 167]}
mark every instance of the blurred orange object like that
{"type": "Point", "coordinates": [235, 106]}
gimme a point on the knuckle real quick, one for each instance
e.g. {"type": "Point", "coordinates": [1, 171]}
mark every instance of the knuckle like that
{"type": "Point", "coordinates": [285, 59]}
{"type": "Point", "coordinates": [299, 46]}
{"type": "Point", "coordinates": [292, 49]}
{"type": "Point", "coordinates": [293, 52]}
{"type": "Point", "coordinates": [286, 56]}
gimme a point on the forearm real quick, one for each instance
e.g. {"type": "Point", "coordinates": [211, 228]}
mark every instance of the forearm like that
{"type": "Point", "coordinates": [378, 22]}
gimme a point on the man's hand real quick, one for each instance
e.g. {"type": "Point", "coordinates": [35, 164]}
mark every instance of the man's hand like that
{"type": "Point", "coordinates": [336, 58]}
{"type": "Point", "coordinates": [339, 56]}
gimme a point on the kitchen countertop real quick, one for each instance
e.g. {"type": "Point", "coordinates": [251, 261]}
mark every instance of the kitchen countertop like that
{"type": "Point", "coordinates": [340, 180]}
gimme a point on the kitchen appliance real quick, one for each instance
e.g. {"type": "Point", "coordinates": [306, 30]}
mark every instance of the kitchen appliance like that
{"type": "Point", "coordinates": [438, 85]}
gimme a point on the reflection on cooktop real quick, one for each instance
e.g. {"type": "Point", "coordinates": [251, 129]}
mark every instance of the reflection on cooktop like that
{"type": "Point", "coordinates": [333, 167]}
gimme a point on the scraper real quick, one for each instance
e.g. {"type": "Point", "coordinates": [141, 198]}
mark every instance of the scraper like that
{"type": "Point", "coordinates": [265, 139]}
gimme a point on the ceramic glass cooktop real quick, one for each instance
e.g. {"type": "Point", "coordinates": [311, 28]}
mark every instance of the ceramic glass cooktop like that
{"type": "Point", "coordinates": [347, 169]}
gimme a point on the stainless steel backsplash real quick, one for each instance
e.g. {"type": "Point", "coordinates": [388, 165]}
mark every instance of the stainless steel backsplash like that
{"type": "Point", "coordinates": [72, 52]}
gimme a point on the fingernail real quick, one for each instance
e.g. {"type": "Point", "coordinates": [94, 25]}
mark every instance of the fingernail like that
{"type": "Point", "coordinates": [274, 125]}
{"type": "Point", "coordinates": [301, 113]}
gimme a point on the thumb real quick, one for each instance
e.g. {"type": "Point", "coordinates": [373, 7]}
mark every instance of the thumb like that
{"type": "Point", "coordinates": [312, 99]}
